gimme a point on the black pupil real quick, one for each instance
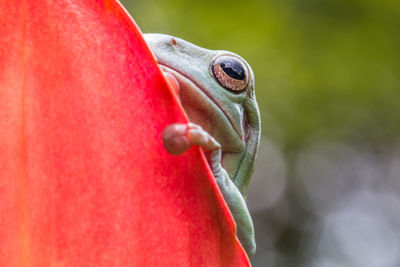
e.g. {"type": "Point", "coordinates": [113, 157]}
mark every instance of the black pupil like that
{"type": "Point", "coordinates": [232, 68]}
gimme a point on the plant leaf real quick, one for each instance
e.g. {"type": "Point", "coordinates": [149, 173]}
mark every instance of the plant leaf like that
{"type": "Point", "coordinates": [84, 177]}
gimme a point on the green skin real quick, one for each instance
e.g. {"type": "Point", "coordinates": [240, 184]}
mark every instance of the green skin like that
{"type": "Point", "coordinates": [226, 124]}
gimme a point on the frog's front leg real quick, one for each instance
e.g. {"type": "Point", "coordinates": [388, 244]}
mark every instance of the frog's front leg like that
{"type": "Point", "coordinates": [177, 139]}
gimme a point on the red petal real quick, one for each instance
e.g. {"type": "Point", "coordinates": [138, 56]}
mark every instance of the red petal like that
{"type": "Point", "coordinates": [84, 177]}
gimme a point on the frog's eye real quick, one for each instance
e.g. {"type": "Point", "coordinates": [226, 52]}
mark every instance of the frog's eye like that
{"type": "Point", "coordinates": [231, 73]}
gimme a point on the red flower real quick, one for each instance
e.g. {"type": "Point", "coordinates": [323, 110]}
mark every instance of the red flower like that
{"type": "Point", "coordinates": [84, 177]}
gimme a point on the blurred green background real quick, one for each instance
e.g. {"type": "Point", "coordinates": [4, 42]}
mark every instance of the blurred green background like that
{"type": "Point", "coordinates": [326, 190]}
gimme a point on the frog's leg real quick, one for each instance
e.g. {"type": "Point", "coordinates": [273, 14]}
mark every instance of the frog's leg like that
{"type": "Point", "coordinates": [177, 139]}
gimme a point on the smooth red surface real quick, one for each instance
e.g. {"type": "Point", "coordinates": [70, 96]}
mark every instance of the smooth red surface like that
{"type": "Point", "coordinates": [84, 178]}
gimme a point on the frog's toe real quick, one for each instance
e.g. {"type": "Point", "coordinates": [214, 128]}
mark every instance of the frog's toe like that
{"type": "Point", "coordinates": [175, 138]}
{"type": "Point", "coordinates": [198, 136]}
{"type": "Point", "coordinates": [179, 137]}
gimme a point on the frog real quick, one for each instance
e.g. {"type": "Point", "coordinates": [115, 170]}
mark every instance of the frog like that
{"type": "Point", "coordinates": [216, 90]}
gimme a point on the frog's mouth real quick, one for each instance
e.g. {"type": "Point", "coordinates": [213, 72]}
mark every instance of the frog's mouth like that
{"type": "Point", "coordinates": [207, 112]}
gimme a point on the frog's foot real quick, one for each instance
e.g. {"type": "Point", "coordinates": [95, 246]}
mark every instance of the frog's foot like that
{"type": "Point", "coordinates": [179, 137]}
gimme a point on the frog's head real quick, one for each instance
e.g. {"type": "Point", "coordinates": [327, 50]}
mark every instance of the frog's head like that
{"type": "Point", "coordinates": [217, 93]}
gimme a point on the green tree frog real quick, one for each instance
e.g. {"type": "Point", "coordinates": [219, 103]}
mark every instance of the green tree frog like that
{"type": "Point", "coordinates": [216, 89]}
